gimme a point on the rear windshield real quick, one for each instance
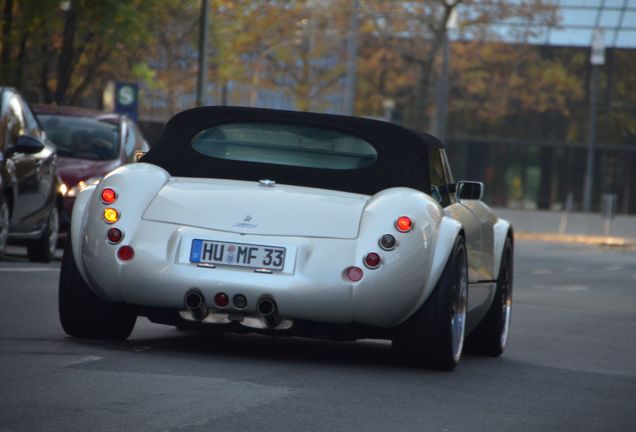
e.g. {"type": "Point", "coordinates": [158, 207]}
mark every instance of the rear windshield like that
{"type": "Point", "coordinates": [82, 137]}
{"type": "Point", "coordinates": [284, 144]}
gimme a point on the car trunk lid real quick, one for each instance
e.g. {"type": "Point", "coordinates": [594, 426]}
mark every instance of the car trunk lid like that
{"type": "Point", "coordinates": [254, 208]}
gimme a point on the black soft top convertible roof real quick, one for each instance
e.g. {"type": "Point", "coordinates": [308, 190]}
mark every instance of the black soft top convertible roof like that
{"type": "Point", "coordinates": [402, 154]}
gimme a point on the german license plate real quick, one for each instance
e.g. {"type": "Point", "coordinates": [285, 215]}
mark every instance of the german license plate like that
{"type": "Point", "coordinates": [237, 254]}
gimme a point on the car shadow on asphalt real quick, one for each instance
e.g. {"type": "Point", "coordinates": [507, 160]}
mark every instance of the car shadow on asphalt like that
{"type": "Point", "coordinates": [251, 347]}
{"type": "Point", "coordinates": [255, 346]}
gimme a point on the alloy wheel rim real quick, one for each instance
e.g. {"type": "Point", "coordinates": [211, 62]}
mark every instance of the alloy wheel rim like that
{"type": "Point", "coordinates": [506, 303]}
{"type": "Point", "coordinates": [458, 320]}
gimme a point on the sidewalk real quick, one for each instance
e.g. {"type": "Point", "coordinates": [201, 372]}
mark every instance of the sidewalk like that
{"type": "Point", "coordinates": [587, 228]}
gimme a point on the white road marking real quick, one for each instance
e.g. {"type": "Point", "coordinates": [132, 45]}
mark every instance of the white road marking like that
{"type": "Point", "coordinates": [86, 359]}
{"type": "Point", "coordinates": [572, 288]}
{"type": "Point", "coordinates": [614, 268]}
{"type": "Point", "coordinates": [542, 271]}
{"type": "Point", "coordinates": [574, 269]}
{"type": "Point", "coordinates": [29, 269]}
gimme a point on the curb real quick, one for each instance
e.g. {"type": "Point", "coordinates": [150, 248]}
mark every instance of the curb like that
{"type": "Point", "coordinates": [622, 242]}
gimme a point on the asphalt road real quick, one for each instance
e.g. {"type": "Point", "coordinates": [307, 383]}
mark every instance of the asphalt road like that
{"type": "Point", "coordinates": [570, 365]}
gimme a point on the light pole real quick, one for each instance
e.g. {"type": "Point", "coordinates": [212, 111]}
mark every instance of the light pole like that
{"type": "Point", "coordinates": [442, 86]}
{"type": "Point", "coordinates": [352, 59]}
{"type": "Point", "coordinates": [203, 52]}
{"type": "Point", "coordinates": [597, 59]}
{"type": "Point", "coordinates": [389, 105]}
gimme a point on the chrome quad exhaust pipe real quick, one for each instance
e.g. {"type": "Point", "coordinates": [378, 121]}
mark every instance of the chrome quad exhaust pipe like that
{"type": "Point", "coordinates": [267, 309]}
{"type": "Point", "coordinates": [195, 303]}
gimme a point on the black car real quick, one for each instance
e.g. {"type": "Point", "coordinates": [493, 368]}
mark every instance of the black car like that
{"type": "Point", "coordinates": [28, 180]}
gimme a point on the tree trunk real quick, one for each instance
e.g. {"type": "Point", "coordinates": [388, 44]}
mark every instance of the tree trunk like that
{"type": "Point", "coordinates": [44, 74]}
{"type": "Point", "coordinates": [102, 55]}
{"type": "Point", "coordinates": [21, 59]}
{"type": "Point", "coordinates": [65, 63]}
{"type": "Point", "coordinates": [422, 87]}
{"type": "Point", "coordinates": [7, 24]}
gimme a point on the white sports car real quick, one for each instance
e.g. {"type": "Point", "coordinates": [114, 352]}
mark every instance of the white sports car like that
{"type": "Point", "coordinates": [246, 219]}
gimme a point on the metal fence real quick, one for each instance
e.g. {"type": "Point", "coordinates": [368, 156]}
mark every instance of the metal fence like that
{"type": "Point", "coordinates": [545, 175]}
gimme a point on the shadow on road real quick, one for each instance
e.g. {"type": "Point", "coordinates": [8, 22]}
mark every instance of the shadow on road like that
{"type": "Point", "coordinates": [248, 347]}
{"type": "Point", "coordinates": [247, 350]}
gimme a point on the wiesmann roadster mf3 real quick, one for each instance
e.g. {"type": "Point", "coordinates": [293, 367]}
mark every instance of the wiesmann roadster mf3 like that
{"type": "Point", "coordinates": [255, 220]}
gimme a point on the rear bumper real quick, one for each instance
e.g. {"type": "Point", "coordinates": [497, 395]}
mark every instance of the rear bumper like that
{"type": "Point", "coordinates": [312, 287]}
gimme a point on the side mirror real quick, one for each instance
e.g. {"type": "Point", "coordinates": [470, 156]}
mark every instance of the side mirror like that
{"type": "Point", "coordinates": [28, 145]}
{"type": "Point", "coordinates": [469, 190]}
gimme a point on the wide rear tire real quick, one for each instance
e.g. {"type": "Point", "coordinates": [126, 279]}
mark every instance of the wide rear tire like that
{"type": "Point", "coordinates": [491, 335]}
{"type": "Point", "coordinates": [82, 313]}
{"type": "Point", "coordinates": [434, 335]}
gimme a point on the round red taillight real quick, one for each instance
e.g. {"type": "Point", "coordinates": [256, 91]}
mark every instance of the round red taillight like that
{"type": "Point", "coordinates": [115, 235]}
{"type": "Point", "coordinates": [125, 253]}
{"type": "Point", "coordinates": [221, 299]}
{"type": "Point", "coordinates": [354, 273]}
{"type": "Point", "coordinates": [109, 196]}
{"type": "Point", "coordinates": [372, 260]}
{"type": "Point", "coordinates": [404, 224]}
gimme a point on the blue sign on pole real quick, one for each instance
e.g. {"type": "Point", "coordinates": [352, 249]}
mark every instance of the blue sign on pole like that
{"type": "Point", "coordinates": [127, 99]}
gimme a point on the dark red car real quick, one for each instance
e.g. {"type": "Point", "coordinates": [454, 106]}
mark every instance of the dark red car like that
{"type": "Point", "coordinates": [89, 144]}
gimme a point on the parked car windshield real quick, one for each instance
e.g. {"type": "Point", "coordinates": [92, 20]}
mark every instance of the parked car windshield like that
{"type": "Point", "coordinates": [284, 144]}
{"type": "Point", "coordinates": [82, 137]}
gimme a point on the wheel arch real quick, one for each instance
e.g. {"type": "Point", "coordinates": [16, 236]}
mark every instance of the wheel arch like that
{"type": "Point", "coordinates": [448, 232]}
{"type": "Point", "coordinates": [502, 230]}
{"type": "Point", "coordinates": [78, 224]}
{"type": "Point", "coordinates": [136, 185]}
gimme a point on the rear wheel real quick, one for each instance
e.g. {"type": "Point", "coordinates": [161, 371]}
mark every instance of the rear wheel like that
{"type": "Point", "coordinates": [82, 313]}
{"type": "Point", "coordinates": [4, 224]}
{"type": "Point", "coordinates": [491, 336]}
{"type": "Point", "coordinates": [43, 249]}
{"type": "Point", "coordinates": [434, 335]}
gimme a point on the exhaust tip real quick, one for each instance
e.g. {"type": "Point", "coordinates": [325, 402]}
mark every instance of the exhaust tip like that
{"type": "Point", "coordinates": [193, 300]}
{"type": "Point", "coordinates": [195, 303]}
{"type": "Point", "coordinates": [266, 307]}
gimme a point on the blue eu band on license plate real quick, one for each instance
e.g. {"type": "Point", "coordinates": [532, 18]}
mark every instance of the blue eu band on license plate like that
{"type": "Point", "coordinates": [237, 254]}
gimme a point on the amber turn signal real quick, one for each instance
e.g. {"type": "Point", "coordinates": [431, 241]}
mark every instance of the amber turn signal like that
{"type": "Point", "coordinates": [111, 215]}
